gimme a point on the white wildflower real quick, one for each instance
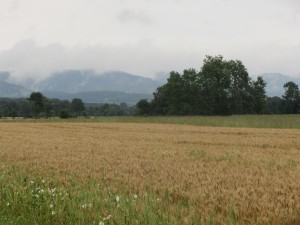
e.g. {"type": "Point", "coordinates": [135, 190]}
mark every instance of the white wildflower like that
{"type": "Point", "coordinates": [53, 213]}
{"type": "Point", "coordinates": [32, 182]}
{"type": "Point", "coordinates": [101, 223]}
{"type": "Point", "coordinates": [43, 181]}
{"type": "Point", "coordinates": [117, 198]}
{"type": "Point", "coordinates": [51, 206]}
{"type": "Point", "coordinates": [107, 218]}
{"type": "Point", "coordinates": [8, 204]}
{"type": "Point", "coordinates": [135, 196]}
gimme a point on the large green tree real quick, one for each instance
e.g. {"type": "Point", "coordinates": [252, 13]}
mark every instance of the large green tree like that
{"type": "Point", "coordinates": [77, 106]}
{"type": "Point", "coordinates": [259, 97]}
{"type": "Point", "coordinates": [240, 88]}
{"type": "Point", "coordinates": [37, 101]}
{"type": "Point", "coordinates": [215, 79]}
{"type": "Point", "coordinates": [291, 98]}
{"type": "Point", "coordinates": [144, 107]}
{"type": "Point", "coordinates": [169, 97]}
{"type": "Point", "coordinates": [220, 88]}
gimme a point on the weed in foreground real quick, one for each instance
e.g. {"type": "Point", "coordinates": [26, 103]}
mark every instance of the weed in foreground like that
{"type": "Point", "coordinates": [29, 199]}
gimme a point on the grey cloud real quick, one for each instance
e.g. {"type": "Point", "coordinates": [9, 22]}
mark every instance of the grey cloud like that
{"type": "Point", "coordinates": [128, 15]}
{"type": "Point", "coordinates": [13, 4]}
{"type": "Point", "coordinates": [29, 59]}
{"type": "Point", "coordinates": [295, 4]}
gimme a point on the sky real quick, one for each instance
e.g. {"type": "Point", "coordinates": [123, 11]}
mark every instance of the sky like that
{"type": "Point", "coordinates": [147, 37]}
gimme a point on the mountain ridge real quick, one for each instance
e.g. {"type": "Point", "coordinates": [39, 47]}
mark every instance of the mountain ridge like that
{"type": "Point", "coordinates": [74, 81]}
{"type": "Point", "coordinates": [108, 87]}
{"type": "Point", "coordinates": [275, 82]}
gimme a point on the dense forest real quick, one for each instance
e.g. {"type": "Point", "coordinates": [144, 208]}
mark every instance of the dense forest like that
{"type": "Point", "coordinates": [220, 88]}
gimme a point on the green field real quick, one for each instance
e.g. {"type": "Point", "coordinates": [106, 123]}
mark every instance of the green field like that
{"type": "Point", "coordinates": [243, 121]}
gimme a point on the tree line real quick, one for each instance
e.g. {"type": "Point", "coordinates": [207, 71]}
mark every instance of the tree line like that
{"type": "Point", "coordinates": [37, 106]}
{"type": "Point", "coordinates": [221, 87]}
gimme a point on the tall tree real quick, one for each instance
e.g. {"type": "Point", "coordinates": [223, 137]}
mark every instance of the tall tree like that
{"type": "Point", "coordinates": [215, 79]}
{"type": "Point", "coordinates": [77, 106]}
{"type": "Point", "coordinates": [191, 93]}
{"type": "Point", "coordinates": [274, 105]}
{"type": "Point", "coordinates": [239, 90]}
{"type": "Point", "coordinates": [37, 101]}
{"type": "Point", "coordinates": [291, 98]}
{"type": "Point", "coordinates": [220, 88]}
{"type": "Point", "coordinates": [143, 107]}
{"type": "Point", "coordinates": [259, 97]}
{"type": "Point", "coordinates": [168, 98]}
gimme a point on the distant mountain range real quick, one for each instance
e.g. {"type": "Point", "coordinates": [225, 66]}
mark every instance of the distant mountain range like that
{"type": "Point", "coordinates": [9, 90]}
{"type": "Point", "coordinates": [110, 87]}
{"type": "Point", "coordinates": [74, 81]}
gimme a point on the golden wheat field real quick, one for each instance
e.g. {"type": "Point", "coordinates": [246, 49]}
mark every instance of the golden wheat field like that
{"type": "Point", "coordinates": [256, 172]}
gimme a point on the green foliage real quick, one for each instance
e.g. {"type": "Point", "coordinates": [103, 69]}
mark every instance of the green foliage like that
{"type": "Point", "coordinates": [259, 95]}
{"type": "Point", "coordinates": [144, 107]}
{"type": "Point", "coordinates": [291, 98]}
{"type": "Point", "coordinates": [37, 100]}
{"type": "Point", "coordinates": [60, 108]}
{"type": "Point", "coordinates": [109, 109]}
{"type": "Point", "coordinates": [220, 88]}
{"type": "Point", "coordinates": [64, 114]}
{"type": "Point", "coordinates": [215, 78]}
{"type": "Point", "coordinates": [273, 105]}
{"type": "Point", "coordinates": [31, 199]}
{"type": "Point", "coordinates": [77, 106]}
{"type": "Point", "coordinates": [246, 121]}
{"type": "Point", "coordinates": [197, 154]}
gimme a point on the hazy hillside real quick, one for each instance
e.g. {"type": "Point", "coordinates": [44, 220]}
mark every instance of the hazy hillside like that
{"type": "Point", "coordinates": [275, 82]}
{"type": "Point", "coordinates": [4, 75]}
{"type": "Point", "coordinates": [8, 90]}
{"type": "Point", "coordinates": [73, 81]}
{"type": "Point", "coordinates": [111, 87]}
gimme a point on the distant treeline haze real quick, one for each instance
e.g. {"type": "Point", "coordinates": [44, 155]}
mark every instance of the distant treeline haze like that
{"type": "Point", "coordinates": [220, 88]}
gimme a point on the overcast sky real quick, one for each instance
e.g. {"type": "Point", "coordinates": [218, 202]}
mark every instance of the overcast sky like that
{"type": "Point", "coordinates": [146, 37]}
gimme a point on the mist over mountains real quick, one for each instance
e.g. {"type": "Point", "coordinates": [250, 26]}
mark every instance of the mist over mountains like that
{"type": "Point", "coordinates": [74, 81]}
{"type": "Point", "coordinates": [11, 90]}
{"type": "Point", "coordinates": [110, 87]}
